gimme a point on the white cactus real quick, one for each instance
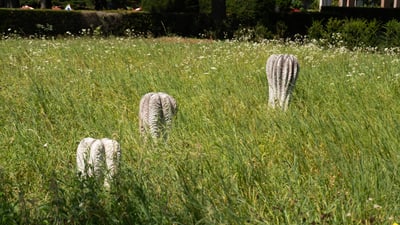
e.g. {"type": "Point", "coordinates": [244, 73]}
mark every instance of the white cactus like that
{"type": "Point", "coordinates": [89, 157]}
{"type": "Point", "coordinates": [156, 111]}
{"type": "Point", "coordinates": [93, 156]}
{"type": "Point", "coordinates": [282, 71]}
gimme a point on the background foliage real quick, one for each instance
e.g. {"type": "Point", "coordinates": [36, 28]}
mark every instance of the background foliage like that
{"type": "Point", "coordinates": [354, 33]}
{"type": "Point", "coordinates": [203, 6]}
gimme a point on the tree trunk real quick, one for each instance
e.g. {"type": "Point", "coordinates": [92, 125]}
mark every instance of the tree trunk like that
{"type": "Point", "coordinates": [218, 10]}
{"type": "Point", "coordinates": [100, 4]}
{"type": "Point", "coordinates": [11, 3]}
{"type": "Point", "coordinates": [218, 13]}
{"type": "Point", "coordinates": [45, 4]}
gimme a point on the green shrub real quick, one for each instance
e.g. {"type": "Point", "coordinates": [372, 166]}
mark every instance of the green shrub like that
{"type": "Point", "coordinates": [372, 34]}
{"type": "Point", "coordinates": [333, 31]}
{"type": "Point", "coordinates": [317, 30]}
{"type": "Point", "coordinates": [360, 33]}
{"type": "Point", "coordinates": [334, 25]}
{"type": "Point", "coordinates": [354, 33]}
{"type": "Point", "coordinates": [391, 33]}
{"type": "Point", "coordinates": [281, 29]}
{"type": "Point", "coordinates": [251, 12]}
{"type": "Point", "coordinates": [257, 33]}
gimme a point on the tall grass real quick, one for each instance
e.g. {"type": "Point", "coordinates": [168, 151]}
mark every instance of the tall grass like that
{"type": "Point", "coordinates": [332, 158]}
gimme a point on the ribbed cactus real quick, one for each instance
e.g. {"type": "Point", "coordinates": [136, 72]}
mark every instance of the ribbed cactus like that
{"type": "Point", "coordinates": [93, 156]}
{"type": "Point", "coordinates": [113, 158]}
{"type": "Point", "coordinates": [90, 157]}
{"type": "Point", "coordinates": [156, 112]}
{"type": "Point", "coordinates": [282, 71]}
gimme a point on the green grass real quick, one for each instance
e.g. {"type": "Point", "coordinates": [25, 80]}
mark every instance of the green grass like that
{"type": "Point", "coordinates": [332, 158]}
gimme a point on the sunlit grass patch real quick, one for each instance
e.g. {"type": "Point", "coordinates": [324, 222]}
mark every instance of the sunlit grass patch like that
{"type": "Point", "coordinates": [332, 158]}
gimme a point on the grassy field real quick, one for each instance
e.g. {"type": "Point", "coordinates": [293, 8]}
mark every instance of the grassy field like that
{"type": "Point", "coordinates": [332, 158]}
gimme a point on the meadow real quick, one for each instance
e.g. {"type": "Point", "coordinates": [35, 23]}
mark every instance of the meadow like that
{"type": "Point", "coordinates": [332, 158]}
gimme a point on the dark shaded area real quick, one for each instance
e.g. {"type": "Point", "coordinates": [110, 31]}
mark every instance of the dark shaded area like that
{"type": "Point", "coordinates": [286, 24]}
{"type": "Point", "coordinates": [380, 14]}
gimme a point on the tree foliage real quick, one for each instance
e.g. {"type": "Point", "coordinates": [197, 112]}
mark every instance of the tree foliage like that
{"type": "Point", "coordinates": [249, 7]}
{"type": "Point", "coordinates": [9, 3]}
{"type": "Point", "coordinates": [171, 5]}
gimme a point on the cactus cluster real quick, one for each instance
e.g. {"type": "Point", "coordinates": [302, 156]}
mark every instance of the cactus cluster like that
{"type": "Point", "coordinates": [157, 109]}
{"type": "Point", "coordinates": [94, 156]}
